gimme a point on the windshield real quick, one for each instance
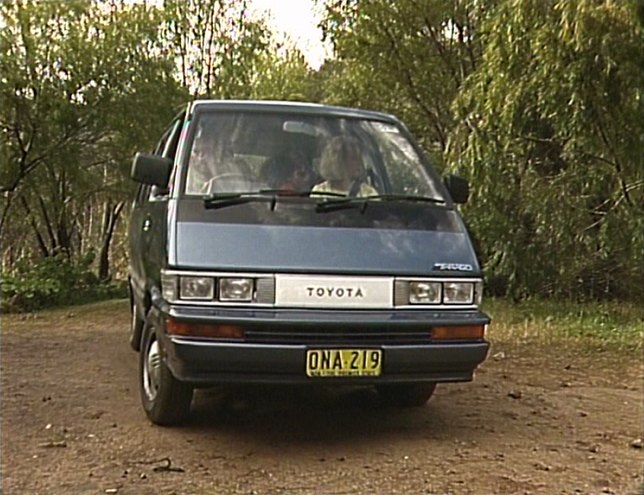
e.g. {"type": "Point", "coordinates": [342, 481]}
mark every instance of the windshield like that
{"type": "Point", "coordinates": [244, 152]}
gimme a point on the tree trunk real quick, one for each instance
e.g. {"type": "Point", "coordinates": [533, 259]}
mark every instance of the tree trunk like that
{"type": "Point", "coordinates": [109, 224]}
{"type": "Point", "coordinates": [6, 205]}
{"type": "Point", "coordinates": [42, 245]}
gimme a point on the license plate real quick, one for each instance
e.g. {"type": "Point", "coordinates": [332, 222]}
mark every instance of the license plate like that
{"type": "Point", "coordinates": [343, 362]}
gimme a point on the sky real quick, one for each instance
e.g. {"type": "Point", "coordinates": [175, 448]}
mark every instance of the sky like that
{"type": "Point", "coordinates": [298, 19]}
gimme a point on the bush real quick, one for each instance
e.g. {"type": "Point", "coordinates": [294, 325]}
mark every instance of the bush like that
{"type": "Point", "coordinates": [54, 281]}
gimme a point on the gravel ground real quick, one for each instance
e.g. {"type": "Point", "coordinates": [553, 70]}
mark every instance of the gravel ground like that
{"type": "Point", "coordinates": [534, 421]}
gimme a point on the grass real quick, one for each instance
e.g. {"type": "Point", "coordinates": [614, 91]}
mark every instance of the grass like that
{"type": "Point", "coordinates": [593, 325]}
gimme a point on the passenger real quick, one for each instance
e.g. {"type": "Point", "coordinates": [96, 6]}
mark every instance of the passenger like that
{"type": "Point", "coordinates": [341, 166]}
{"type": "Point", "coordinates": [288, 172]}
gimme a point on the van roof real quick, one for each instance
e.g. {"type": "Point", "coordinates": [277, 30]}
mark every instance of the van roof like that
{"type": "Point", "coordinates": [291, 107]}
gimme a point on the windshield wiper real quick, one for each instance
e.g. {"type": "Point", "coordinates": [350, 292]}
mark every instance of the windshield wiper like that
{"type": "Point", "coordinates": [222, 200]}
{"type": "Point", "coordinates": [405, 197]}
{"type": "Point", "coordinates": [362, 202]}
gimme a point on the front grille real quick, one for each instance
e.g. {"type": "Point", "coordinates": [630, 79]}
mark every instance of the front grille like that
{"type": "Point", "coordinates": [337, 336]}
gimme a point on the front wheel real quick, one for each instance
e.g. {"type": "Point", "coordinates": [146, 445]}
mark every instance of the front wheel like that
{"type": "Point", "coordinates": [165, 399]}
{"type": "Point", "coordinates": [406, 394]}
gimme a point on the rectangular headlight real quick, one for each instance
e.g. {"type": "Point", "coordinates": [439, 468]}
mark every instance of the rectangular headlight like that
{"type": "Point", "coordinates": [236, 289]}
{"type": "Point", "coordinates": [196, 288]}
{"type": "Point", "coordinates": [424, 292]}
{"type": "Point", "coordinates": [458, 293]}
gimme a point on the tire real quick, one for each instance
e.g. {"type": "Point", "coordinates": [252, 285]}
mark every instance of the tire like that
{"type": "Point", "coordinates": [166, 400]}
{"type": "Point", "coordinates": [407, 394]}
{"type": "Point", "coordinates": [136, 327]}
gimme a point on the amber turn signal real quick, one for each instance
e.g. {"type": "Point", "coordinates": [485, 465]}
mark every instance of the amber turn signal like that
{"type": "Point", "coordinates": [464, 332]}
{"type": "Point", "coordinates": [204, 330]}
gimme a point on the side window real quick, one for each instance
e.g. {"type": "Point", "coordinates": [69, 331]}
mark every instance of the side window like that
{"type": "Point", "coordinates": [167, 145]}
{"type": "Point", "coordinates": [170, 148]}
{"type": "Point", "coordinates": [158, 150]}
{"type": "Point", "coordinates": [167, 148]}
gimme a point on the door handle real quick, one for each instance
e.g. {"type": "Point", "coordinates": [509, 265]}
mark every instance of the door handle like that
{"type": "Point", "coordinates": [146, 224]}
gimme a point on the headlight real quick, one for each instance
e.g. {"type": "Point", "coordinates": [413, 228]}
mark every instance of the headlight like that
{"type": "Point", "coordinates": [236, 289]}
{"type": "Point", "coordinates": [424, 292]}
{"type": "Point", "coordinates": [196, 288]}
{"type": "Point", "coordinates": [441, 292]}
{"type": "Point", "coordinates": [458, 293]}
{"type": "Point", "coordinates": [214, 288]}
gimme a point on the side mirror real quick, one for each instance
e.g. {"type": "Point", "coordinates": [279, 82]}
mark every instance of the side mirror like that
{"type": "Point", "coordinates": [151, 169]}
{"type": "Point", "coordinates": [458, 188]}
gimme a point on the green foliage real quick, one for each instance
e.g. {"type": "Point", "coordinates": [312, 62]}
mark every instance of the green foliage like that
{"type": "Point", "coordinates": [222, 52]}
{"type": "Point", "coordinates": [282, 74]}
{"type": "Point", "coordinates": [85, 84]}
{"type": "Point", "coordinates": [56, 98]}
{"type": "Point", "coordinates": [216, 46]}
{"type": "Point", "coordinates": [53, 281]}
{"type": "Point", "coordinates": [407, 57]}
{"type": "Point", "coordinates": [539, 104]}
{"type": "Point", "coordinates": [79, 94]}
{"type": "Point", "coordinates": [551, 137]}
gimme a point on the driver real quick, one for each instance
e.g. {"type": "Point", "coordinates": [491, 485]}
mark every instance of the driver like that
{"type": "Point", "coordinates": [214, 168]}
{"type": "Point", "coordinates": [341, 166]}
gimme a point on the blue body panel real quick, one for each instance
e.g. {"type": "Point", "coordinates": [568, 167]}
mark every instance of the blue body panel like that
{"type": "Point", "coordinates": [320, 249]}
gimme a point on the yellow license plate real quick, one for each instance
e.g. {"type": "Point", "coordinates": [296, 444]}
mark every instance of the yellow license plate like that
{"type": "Point", "coordinates": [343, 362]}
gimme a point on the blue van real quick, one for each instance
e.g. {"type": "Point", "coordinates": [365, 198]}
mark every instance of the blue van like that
{"type": "Point", "coordinates": [296, 243]}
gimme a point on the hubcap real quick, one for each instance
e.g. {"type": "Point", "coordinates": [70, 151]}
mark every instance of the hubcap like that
{"type": "Point", "coordinates": [152, 370]}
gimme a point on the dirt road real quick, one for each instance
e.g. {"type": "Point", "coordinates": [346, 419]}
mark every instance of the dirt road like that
{"type": "Point", "coordinates": [530, 423]}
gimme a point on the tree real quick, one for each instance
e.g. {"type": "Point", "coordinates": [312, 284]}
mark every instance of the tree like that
{"type": "Point", "coordinates": [80, 86]}
{"type": "Point", "coordinates": [281, 73]}
{"type": "Point", "coordinates": [215, 45]}
{"type": "Point", "coordinates": [85, 84]}
{"type": "Point", "coordinates": [407, 57]}
{"type": "Point", "coordinates": [551, 135]}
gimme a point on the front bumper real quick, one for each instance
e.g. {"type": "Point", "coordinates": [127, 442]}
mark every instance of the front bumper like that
{"type": "Point", "coordinates": [277, 341]}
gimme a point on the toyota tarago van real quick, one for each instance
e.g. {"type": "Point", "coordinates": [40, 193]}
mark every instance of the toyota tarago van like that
{"type": "Point", "coordinates": [293, 243]}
